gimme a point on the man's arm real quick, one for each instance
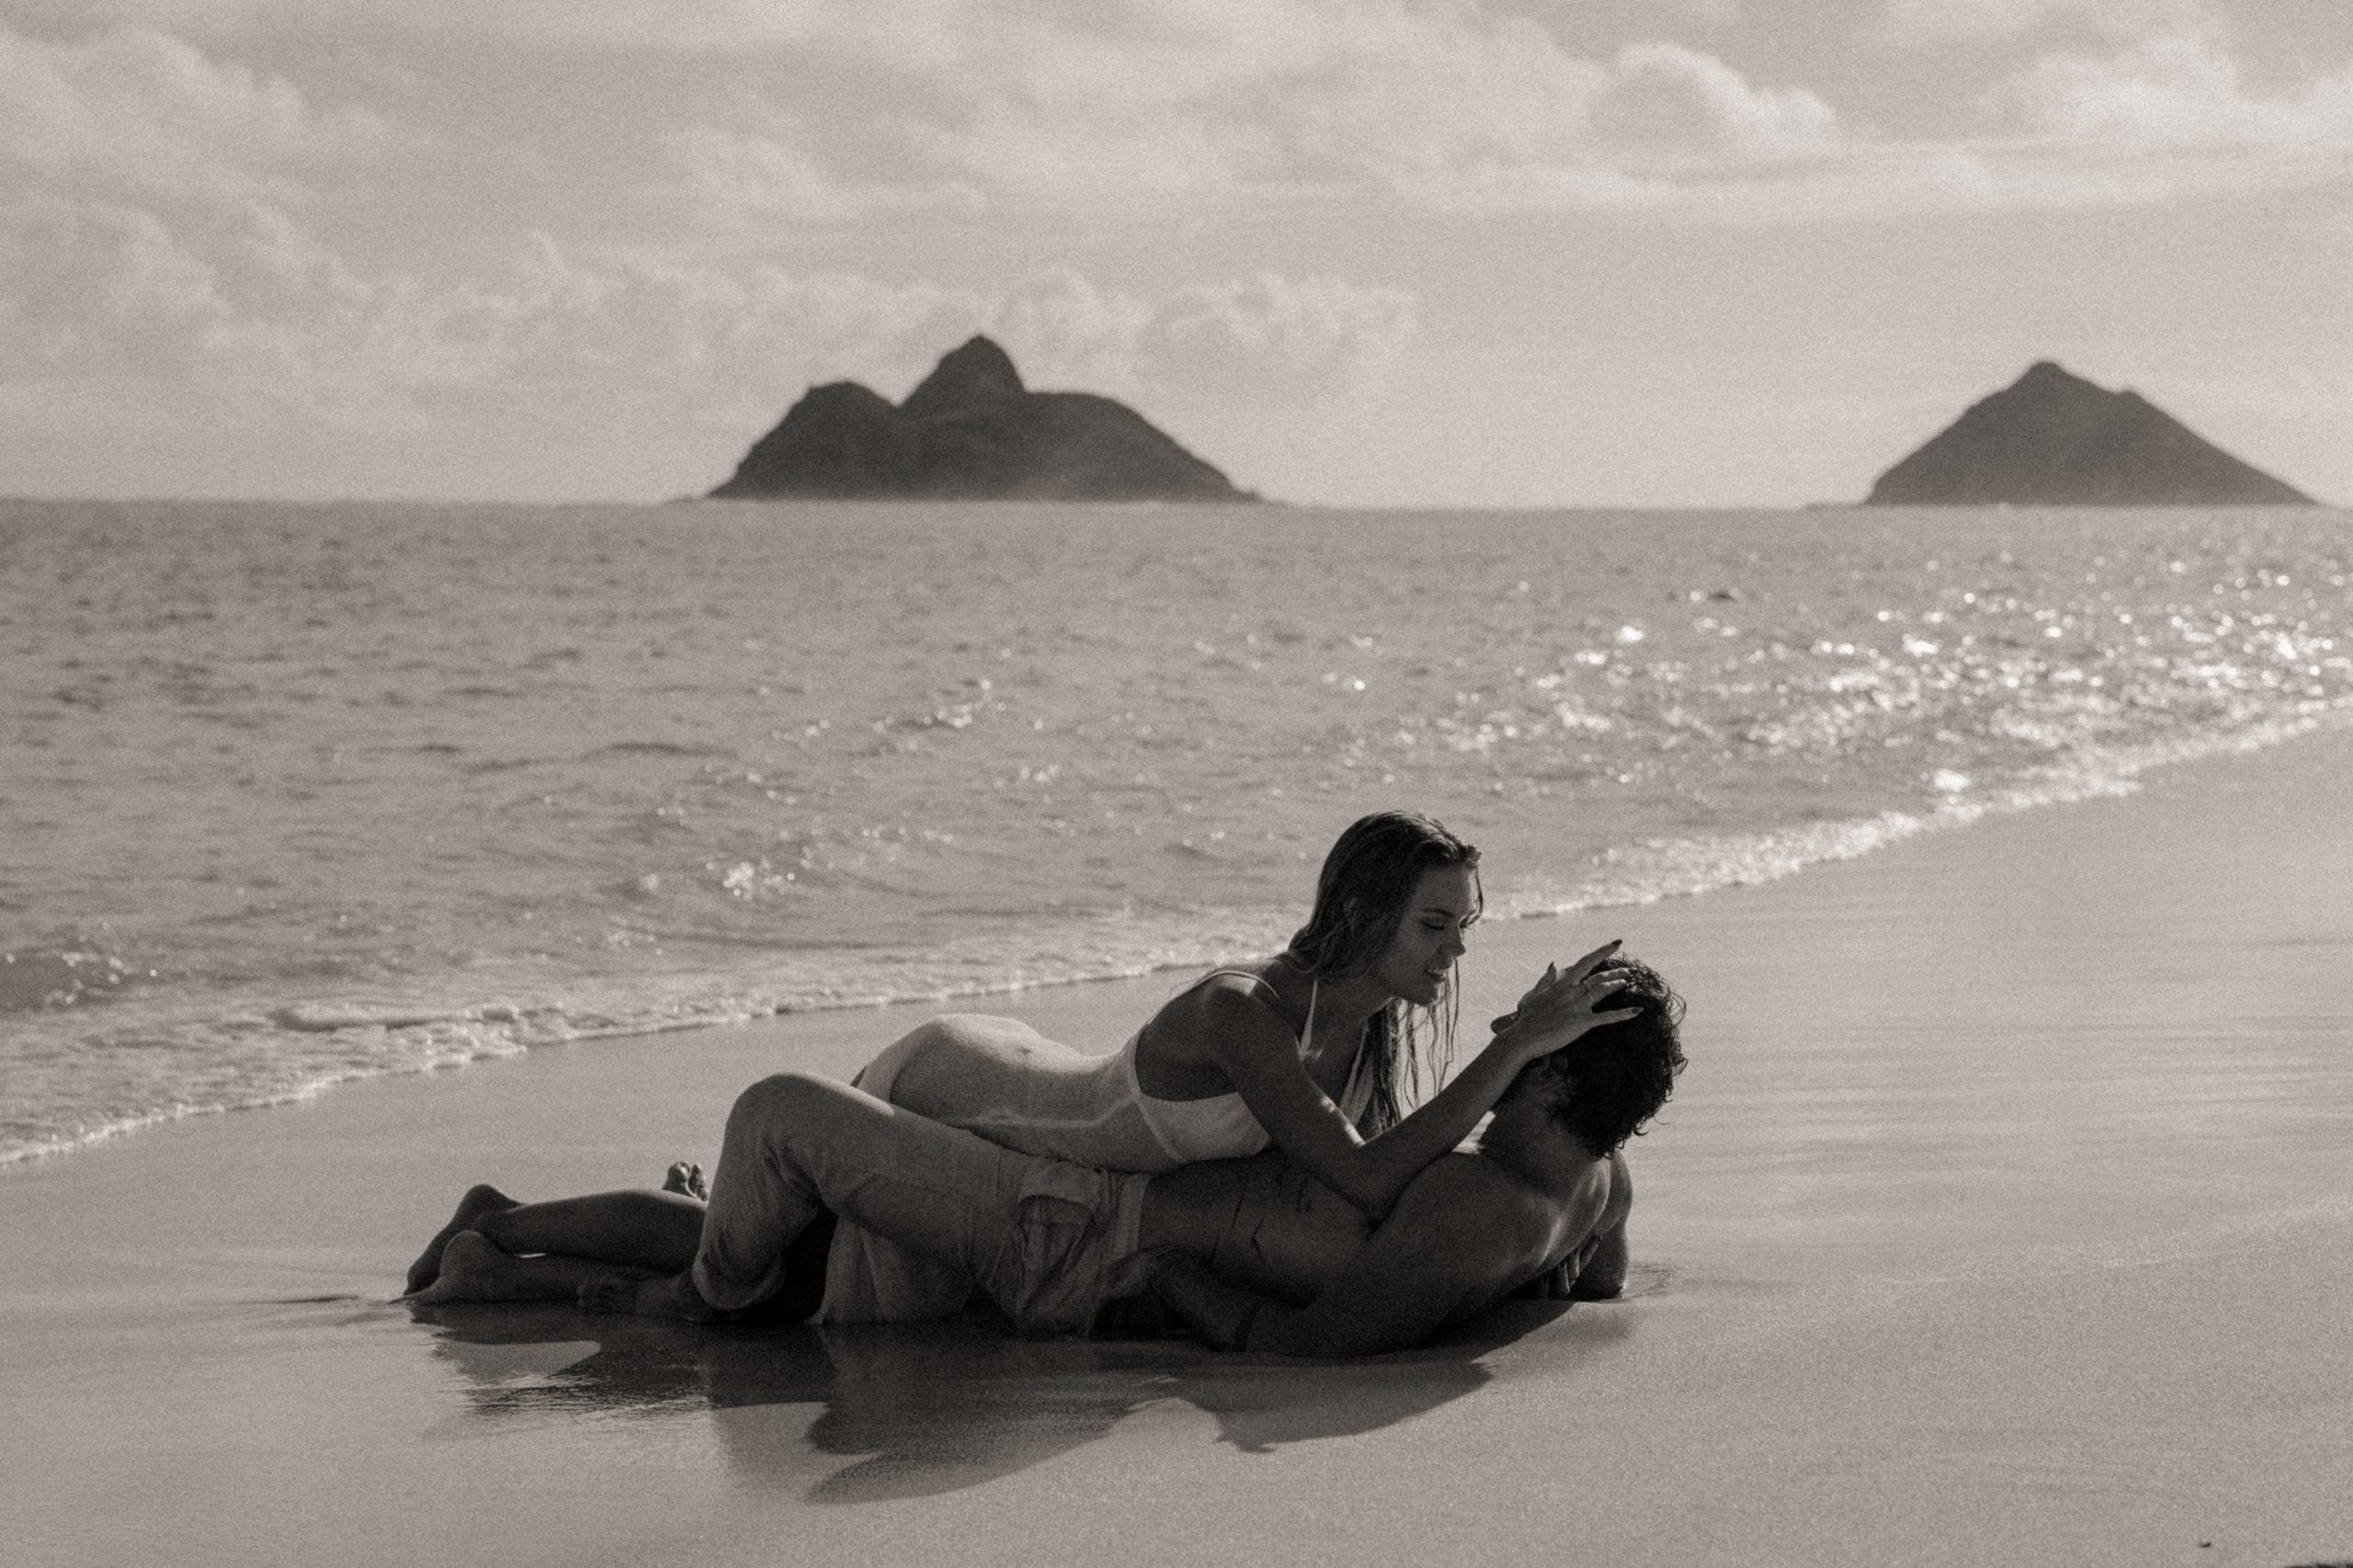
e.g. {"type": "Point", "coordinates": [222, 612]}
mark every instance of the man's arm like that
{"type": "Point", "coordinates": [1595, 1271]}
{"type": "Point", "coordinates": [1461, 1236]}
{"type": "Point", "coordinates": [1601, 1267]}
{"type": "Point", "coordinates": [1220, 1313]}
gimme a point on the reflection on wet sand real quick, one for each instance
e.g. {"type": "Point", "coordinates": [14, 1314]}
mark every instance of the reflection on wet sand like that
{"type": "Point", "coordinates": [927, 1408]}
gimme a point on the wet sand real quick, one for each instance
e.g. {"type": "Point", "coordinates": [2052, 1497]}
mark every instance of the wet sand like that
{"type": "Point", "coordinates": [2004, 1215]}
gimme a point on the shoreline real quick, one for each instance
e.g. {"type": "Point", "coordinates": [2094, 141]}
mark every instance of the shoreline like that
{"type": "Point", "coordinates": [2002, 1215]}
{"type": "Point", "coordinates": [1826, 845]}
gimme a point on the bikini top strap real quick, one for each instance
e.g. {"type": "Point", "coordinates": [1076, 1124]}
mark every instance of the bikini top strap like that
{"type": "Point", "coordinates": [1307, 1039]}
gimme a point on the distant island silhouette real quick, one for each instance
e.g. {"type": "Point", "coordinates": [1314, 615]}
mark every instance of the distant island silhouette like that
{"type": "Point", "coordinates": [972, 431]}
{"type": "Point", "coordinates": [2052, 439]}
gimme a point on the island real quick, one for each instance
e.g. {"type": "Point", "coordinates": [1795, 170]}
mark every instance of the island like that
{"type": "Point", "coordinates": [2052, 439]}
{"type": "Point", "coordinates": [971, 432]}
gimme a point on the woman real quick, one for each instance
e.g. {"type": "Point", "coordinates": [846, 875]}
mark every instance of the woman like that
{"type": "Point", "coordinates": [1310, 1050]}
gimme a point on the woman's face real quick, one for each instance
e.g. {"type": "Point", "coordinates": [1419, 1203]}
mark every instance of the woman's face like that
{"type": "Point", "coordinates": [1431, 934]}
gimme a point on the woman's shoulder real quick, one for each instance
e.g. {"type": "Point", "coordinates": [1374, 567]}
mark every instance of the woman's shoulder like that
{"type": "Point", "coordinates": [1277, 980]}
{"type": "Point", "coordinates": [1272, 986]}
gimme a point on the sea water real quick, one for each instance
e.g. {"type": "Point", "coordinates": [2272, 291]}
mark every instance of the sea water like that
{"type": "Point", "coordinates": [292, 795]}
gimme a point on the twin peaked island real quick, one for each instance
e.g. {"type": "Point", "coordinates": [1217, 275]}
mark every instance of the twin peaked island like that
{"type": "Point", "coordinates": [972, 431]}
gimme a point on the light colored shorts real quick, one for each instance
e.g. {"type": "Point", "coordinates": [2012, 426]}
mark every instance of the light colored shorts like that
{"type": "Point", "coordinates": [929, 1214]}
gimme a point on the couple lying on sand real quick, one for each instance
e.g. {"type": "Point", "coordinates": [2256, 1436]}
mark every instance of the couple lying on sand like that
{"type": "Point", "coordinates": [974, 1154]}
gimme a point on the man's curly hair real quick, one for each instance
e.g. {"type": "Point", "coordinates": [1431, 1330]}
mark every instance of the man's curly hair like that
{"type": "Point", "coordinates": [1624, 1071]}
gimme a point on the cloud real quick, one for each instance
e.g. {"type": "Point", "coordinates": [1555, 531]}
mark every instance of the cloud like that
{"type": "Point", "coordinates": [146, 189]}
{"type": "Point", "coordinates": [1437, 105]}
{"type": "Point", "coordinates": [1065, 331]}
{"type": "Point", "coordinates": [1264, 337]}
{"type": "Point", "coordinates": [2179, 92]}
{"type": "Point", "coordinates": [1126, 104]}
{"type": "Point", "coordinates": [831, 127]}
{"type": "Point", "coordinates": [1667, 96]}
{"type": "Point", "coordinates": [898, 112]}
{"type": "Point", "coordinates": [99, 287]}
{"type": "Point", "coordinates": [1286, 338]}
{"type": "Point", "coordinates": [138, 110]}
{"type": "Point", "coordinates": [100, 295]}
{"type": "Point", "coordinates": [1918, 24]}
{"type": "Point", "coordinates": [720, 346]}
{"type": "Point", "coordinates": [146, 197]}
{"type": "Point", "coordinates": [191, 317]}
{"type": "Point", "coordinates": [742, 178]}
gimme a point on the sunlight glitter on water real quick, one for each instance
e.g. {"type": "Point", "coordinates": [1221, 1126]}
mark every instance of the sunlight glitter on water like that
{"type": "Point", "coordinates": [304, 793]}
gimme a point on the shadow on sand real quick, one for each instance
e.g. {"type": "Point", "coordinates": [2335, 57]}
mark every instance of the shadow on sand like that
{"type": "Point", "coordinates": [927, 1408]}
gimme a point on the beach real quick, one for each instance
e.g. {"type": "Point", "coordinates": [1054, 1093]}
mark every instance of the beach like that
{"type": "Point", "coordinates": [2002, 1216]}
{"type": "Point", "coordinates": [564, 568]}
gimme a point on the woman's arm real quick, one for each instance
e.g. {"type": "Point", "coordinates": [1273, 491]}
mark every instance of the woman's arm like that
{"type": "Point", "coordinates": [1263, 1064]}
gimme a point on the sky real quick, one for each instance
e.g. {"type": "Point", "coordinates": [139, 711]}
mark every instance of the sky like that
{"type": "Point", "coordinates": [1474, 253]}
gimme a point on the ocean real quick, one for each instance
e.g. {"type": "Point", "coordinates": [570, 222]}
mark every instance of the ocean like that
{"type": "Point", "coordinates": [298, 794]}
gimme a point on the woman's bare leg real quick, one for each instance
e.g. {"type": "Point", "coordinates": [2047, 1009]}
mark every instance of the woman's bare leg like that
{"type": "Point", "coordinates": [477, 1203]}
{"type": "Point", "coordinates": [472, 1270]}
{"type": "Point", "coordinates": [635, 1227]}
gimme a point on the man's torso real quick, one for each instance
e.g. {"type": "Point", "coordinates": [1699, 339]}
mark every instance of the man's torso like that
{"type": "Point", "coordinates": [1262, 1224]}
{"type": "Point", "coordinates": [1266, 1225]}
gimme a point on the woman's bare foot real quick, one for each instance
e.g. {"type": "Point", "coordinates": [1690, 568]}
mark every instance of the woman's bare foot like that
{"type": "Point", "coordinates": [477, 1203]}
{"type": "Point", "coordinates": [686, 1178]}
{"type": "Point", "coordinates": [667, 1296]}
{"type": "Point", "coordinates": [472, 1270]}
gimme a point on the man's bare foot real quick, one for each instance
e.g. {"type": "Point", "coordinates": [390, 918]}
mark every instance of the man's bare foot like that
{"type": "Point", "coordinates": [477, 1203]}
{"type": "Point", "coordinates": [686, 1178]}
{"type": "Point", "coordinates": [667, 1296]}
{"type": "Point", "coordinates": [472, 1270]}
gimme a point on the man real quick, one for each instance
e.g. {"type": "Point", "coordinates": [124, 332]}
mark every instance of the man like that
{"type": "Point", "coordinates": [1253, 1253]}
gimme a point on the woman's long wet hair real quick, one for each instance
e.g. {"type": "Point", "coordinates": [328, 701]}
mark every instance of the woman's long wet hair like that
{"type": "Point", "coordinates": [1366, 882]}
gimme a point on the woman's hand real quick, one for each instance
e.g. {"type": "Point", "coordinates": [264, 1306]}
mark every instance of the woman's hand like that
{"type": "Point", "coordinates": [1560, 1006]}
